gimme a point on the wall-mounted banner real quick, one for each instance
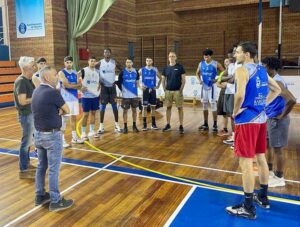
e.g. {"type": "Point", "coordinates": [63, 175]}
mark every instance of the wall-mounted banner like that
{"type": "Point", "coordinates": [30, 20]}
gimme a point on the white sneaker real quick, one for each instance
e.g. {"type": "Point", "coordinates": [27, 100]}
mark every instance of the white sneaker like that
{"type": "Point", "coordinates": [65, 144]}
{"type": "Point", "coordinates": [271, 174]}
{"type": "Point", "coordinates": [101, 130]}
{"type": "Point", "coordinates": [229, 141]}
{"type": "Point", "coordinates": [117, 128]}
{"type": "Point", "coordinates": [77, 140]}
{"type": "Point", "coordinates": [84, 137]}
{"type": "Point", "coordinates": [93, 134]}
{"type": "Point", "coordinates": [276, 182]}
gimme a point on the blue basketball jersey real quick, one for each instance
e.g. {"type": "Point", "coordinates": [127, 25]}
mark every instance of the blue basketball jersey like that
{"type": "Point", "coordinates": [208, 73]}
{"type": "Point", "coordinates": [255, 96]}
{"type": "Point", "coordinates": [72, 79]}
{"type": "Point", "coordinates": [129, 85]}
{"type": "Point", "coordinates": [149, 77]}
{"type": "Point", "coordinates": [277, 106]}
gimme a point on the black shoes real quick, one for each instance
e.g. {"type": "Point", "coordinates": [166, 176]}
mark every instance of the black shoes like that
{"type": "Point", "coordinates": [261, 201]}
{"type": "Point", "coordinates": [215, 128]}
{"type": "Point", "coordinates": [135, 129]}
{"type": "Point", "coordinates": [125, 130]}
{"type": "Point", "coordinates": [203, 127]}
{"type": "Point", "coordinates": [241, 210]}
{"type": "Point", "coordinates": [42, 199]}
{"type": "Point", "coordinates": [181, 130]}
{"type": "Point", "coordinates": [62, 204]}
{"type": "Point", "coordinates": [166, 128]}
{"type": "Point", "coordinates": [154, 127]}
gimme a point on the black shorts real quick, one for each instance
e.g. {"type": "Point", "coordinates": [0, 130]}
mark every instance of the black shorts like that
{"type": "Point", "coordinates": [130, 102]}
{"type": "Point", "coordinates": [108, 95]}
{"type": "Point", "coordinates": [149, 97]}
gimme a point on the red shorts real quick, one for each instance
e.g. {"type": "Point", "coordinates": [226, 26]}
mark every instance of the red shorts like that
{"type": "Point", "coordinates": [250, 139]}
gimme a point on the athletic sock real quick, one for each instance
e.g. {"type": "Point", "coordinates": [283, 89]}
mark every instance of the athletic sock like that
{"type": "Point", "coordinates": [215, 123]}
{"type": "Point", "coordinates": [153, 120]}
{"type": "Point", "coordinates": [125, 125]}
{"type": "Point", "coordinates": [92, 127]}
{"type": "Point", "coordinates": [134, 124]}
{"type": "Point", "coordinates": [279, 174]}
{"type": "Point", "coordinates": [225, 129]}
{"type": "Point", "coordinates": [263, 192]}
{"type": "Point", "coordinates": [63, 137]}
{"type": "Point", "coordinates": [205, 122]}
{"type": "Point", "coordinates": [270, 165]}
{"type": "Point", "coordinates": [83, 130]}
{"type": "Point", "coordinates": [248, 200]}
{"type": "Point", "coordinates": [144, 120]}
{"type": "Point", "coordinates": [74, 135]}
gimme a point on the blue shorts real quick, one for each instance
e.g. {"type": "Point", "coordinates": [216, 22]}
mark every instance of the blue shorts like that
{"type": "Point", "coordinates": [90, 104]}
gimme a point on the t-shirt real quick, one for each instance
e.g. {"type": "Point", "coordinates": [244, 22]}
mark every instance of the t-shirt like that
{"type": "Point", "coordinates": [45, 110]}
{"type": "Point", "coordinates": [23, 85]}
{"type": "Point", "coordinates": [173, 76]}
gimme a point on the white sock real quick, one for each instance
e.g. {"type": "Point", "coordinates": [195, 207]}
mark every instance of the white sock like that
{"type": "Point", "coordinates": [83, 129]}
{"type": "Point", "coordinates": [116, 123]}
{"type": "Point", "coordinates": [63, 137]}
{"type": "Point", "coordinates": [74, 135]}
{"type": "Point", "coordinates": [101, 125]}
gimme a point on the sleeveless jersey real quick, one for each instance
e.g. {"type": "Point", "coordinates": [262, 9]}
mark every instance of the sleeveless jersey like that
{"type": "Point", "coordinates": [91, 82]}
{"type": "Point", "coordinates": [108, 72]}
{"type": "Point", "coordinates": [129, 86]}
{"type": "Point", "coordinates": [149, 77]}
{"type": "Point", "coordinates": [277, 106]}
{"type": "Point", "coordinates": [255, 96]}
{"type": "Point", "coordinates": [208, 73]}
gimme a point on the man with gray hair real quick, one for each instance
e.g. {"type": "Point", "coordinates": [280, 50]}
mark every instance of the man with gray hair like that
{"type": "Point", "coordinates": [23, 89]}
{"type": "Point", "coordinates": [48, 138]}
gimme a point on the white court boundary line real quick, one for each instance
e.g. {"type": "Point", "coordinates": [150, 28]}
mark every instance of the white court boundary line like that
{"type": "Point", "coordinates": [67, 189]}
{"type": "Point", "coordinates": [179, 207]}
{"type": "Point", "coordinates": [160, 161]}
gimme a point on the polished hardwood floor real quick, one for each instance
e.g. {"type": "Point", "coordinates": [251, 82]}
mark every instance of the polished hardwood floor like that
{"type": "Point", "coordinates": [106, 197]}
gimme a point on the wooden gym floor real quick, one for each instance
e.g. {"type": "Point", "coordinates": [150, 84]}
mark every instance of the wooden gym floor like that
{"type": "Point", "coordinates": [108, 192]}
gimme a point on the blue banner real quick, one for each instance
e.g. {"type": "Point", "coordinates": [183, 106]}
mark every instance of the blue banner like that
{"type": "Point", "coordinates": [276, 3]}
{"type": "Point", "coordinates": [30, 19]}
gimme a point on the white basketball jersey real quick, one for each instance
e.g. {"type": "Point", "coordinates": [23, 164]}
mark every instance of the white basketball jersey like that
{"type": "Point", "coordinates": [91, 82]}
{"type": "Point", "coordinates": [108, 72]}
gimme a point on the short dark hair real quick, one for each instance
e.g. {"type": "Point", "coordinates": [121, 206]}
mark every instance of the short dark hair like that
{"type": "Point", "coordinates": [249, 47]}
{"type": "Point", "coordinates": [129, 58]}
{"type": "Point", "coordinates": [68, 58]}
{"type": "Point", "coordinates": [92, 57]}
{"type": "Point", "coordinates": [272, 63]}
{"type": "Point", "coordinates": [41, 59]}
{"type": "Point", "coordinates": [107, 48]}
{"type": "Point", "coordinates": [207, 52]}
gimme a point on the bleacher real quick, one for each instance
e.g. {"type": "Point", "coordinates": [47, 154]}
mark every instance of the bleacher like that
{"type": "Point", "coordinates": [8, 74]}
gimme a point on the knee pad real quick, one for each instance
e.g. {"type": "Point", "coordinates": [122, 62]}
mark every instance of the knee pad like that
{"type": "Point", "coordinates": [205, 106]}
{"type": "Point", "coordinates": [114, 106]}
{"type": "Point", "coordinates": [213, 106]}
{"type": "Point", "coordinates": [64, 122]}
{"type": "Point", "coordinates": [102, 107]}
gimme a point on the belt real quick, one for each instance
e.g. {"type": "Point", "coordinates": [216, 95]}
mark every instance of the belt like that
{"type": "Point", "coordinates": [50, 130]}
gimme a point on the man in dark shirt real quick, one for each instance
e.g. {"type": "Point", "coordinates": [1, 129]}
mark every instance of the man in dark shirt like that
{"type": "Point", "coordinates": [173, 80]}
{"type": "Point", "coordinates": [23, 88]}
{"type": "Point", "coordinates": [47, 108]}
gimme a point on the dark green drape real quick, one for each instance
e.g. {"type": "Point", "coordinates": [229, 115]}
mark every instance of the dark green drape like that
{"type": "Point", "coordinates": [82, 15]}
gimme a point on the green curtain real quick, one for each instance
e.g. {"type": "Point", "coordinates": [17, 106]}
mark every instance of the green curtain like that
{"type": "Point", "coordinates": [82, 15]}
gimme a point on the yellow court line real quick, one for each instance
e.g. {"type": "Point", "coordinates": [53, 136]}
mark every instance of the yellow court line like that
{"type": "Point", "coordinates": [233, 191]}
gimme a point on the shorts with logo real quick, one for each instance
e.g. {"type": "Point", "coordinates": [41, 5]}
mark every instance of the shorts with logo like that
{"type": "Point", "coordinates": [209, 95]}
{"type": "Point", "coordinates": [90, 104]}
{"type": "Point", "coordinates": [250, 139]}
{"type": "Point", "coordinates": [130, 102]}
{"type": "Point", "coordinates": [175, 96]}
{"type": "Point", "coordinates": [108, 95]}
{"type": "Point", "coordinates": [149, 97]}
{"type": "Point", "coordinates": [278, 131]}
{"type": "Point", "coordinates": [74, 108]}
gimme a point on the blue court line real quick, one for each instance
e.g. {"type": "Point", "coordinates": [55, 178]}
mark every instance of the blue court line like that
{"type": "Point", "coordinates": [207, 208]}
{"type": "Point", "coordinates": [149, 174]}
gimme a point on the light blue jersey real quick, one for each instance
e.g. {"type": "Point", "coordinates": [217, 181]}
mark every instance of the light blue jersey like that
{"type": "Point", "coordinates": [129, 85]}
{"type": "Point", "coordinates": [208, 73]}
{"type": "Point", "coordinates": [149, 77]}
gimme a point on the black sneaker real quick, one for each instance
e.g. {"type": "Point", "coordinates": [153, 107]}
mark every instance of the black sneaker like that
{"type": "Point", "coordinates": [181, 130]}
{"type": "Point", "coordinates": [241, 211]}
{"type": "Point", "coordinates": [203, 127]}
{"type": "Point", "coordinates": [145, 128]}
{"type": "Point", "coordinates": [62, 204]}
{"type": "Point", "coordinates": [135, 129]}
{"type": "Point", "coordinates": [42, 199]}
{"type": "Point", "coordinates": [215, 128]}
{"type": "Point", "coordinates": [261, 201]}
{"type": "Point", "coordinates": [125, 130]}
{"type": "Point", "coordinates": [167, 128]}
{"type": "Point", "coordinates": [154, 127]}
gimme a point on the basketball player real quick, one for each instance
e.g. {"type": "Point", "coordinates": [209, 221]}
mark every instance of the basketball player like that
{"type": "Point", "coordinates": [41, 63]}
{"type": "Point", "coordinates": [128, 83]}
{"type": "Point", "coordinates": [107, 68]}
{"type": "Point", "coordinates": [254, 90]}
{"type": "Point", "coordinates": [149, 86]}
{"type": "Point", "coordinates": [278, 123]}
{"type": "Point", "coordinates": [69, 85]}
{"type": "Point", "coordinates": [207, 73]}
{"type": "Point", "coordinates": [90, 97]}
